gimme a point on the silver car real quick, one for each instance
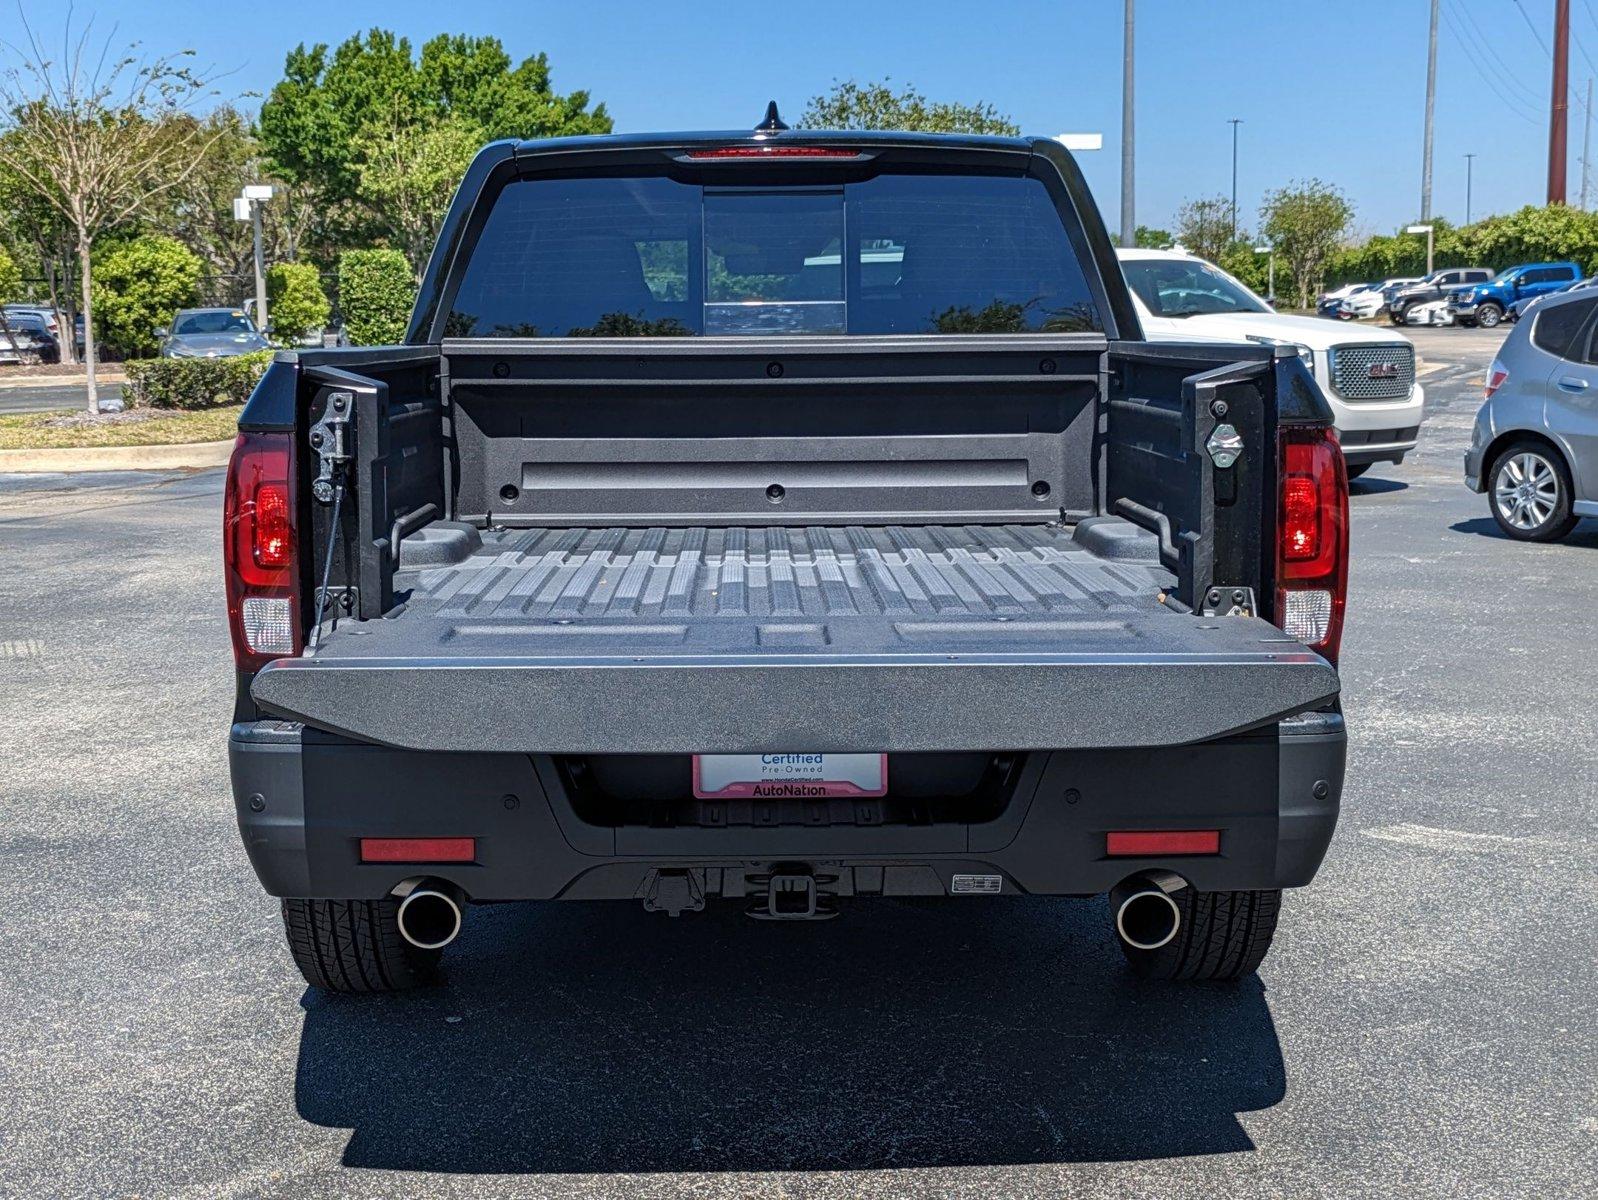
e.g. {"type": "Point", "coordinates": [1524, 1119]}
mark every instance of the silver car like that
{"type": "Point", "coordinates": [1534, 449]}
{"type": "Point", "coordinates": [210, 333]}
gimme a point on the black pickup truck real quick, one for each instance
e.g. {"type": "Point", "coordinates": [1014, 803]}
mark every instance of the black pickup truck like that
{"type": "Point", "coordinates": [782, 518]}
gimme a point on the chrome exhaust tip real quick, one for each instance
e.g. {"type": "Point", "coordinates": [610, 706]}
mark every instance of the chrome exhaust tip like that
{"type": "Point", "coordinates": [1146, 914]}
{"type": "Point", "coordinates": [430, 913]}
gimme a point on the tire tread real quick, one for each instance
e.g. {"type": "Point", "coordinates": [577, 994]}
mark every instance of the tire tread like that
{"type": "Point", "coordinates": [1224, 936]}
{"type": "Point", "coordinates": [354, 946]}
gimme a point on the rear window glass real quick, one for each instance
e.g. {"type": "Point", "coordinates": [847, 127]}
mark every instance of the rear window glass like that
{"type": "Point", "coordinates": [1557, 325]}
{"type": "Point", "coordinates": [650, 256]}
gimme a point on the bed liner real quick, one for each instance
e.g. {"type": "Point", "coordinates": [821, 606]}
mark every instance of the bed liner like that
{"type": "Point", "coordinates": [739, 640]}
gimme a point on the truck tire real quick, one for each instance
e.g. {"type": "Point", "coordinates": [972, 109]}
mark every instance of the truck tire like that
{"type": "Point", "coordinates": [1399, 315]}
{"type": "Point", "coordinates": [1223, 936]}
{"type": "Point", "coordinates": [355, 946]}
{"type": "Point", "coordinates": [1488, 315]}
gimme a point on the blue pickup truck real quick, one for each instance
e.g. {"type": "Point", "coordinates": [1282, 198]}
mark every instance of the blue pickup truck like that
{"type": "Point", "coordinates": [1486, 303]}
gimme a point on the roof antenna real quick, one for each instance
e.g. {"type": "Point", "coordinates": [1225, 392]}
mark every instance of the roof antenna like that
{"type": "Point", "coordinates": [772, 122]}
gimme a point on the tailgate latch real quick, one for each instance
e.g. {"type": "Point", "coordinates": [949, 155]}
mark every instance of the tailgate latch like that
{"type": "Point", "coordinates": [1224, 601]}
{"type": "Point", "coordinates": [1225, 446]}
{"type": "Point", "coordinates": [330, 438]}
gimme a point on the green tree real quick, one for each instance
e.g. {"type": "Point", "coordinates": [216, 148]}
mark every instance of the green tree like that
{"type": "Point", "coordinates": [1149, 238]}
{"type": "Point", "coordinates": [139, 285]}
{"type": "Point", "coordinates": [1207, 226]}
{"type": "Point", "coordinates": [1305, 222]}
{"type": "Point", "coordinates": [10, 277]}
{"type": "Point", "coordinates": [409, 169]}
{"type": "Point", "coordinates": [375, 291]}
{"type": "Point", "coordinates": [372, 96]}
{"type": "Point", "coordinates": [876, 105]}
{"type": "Point", "coordinates": [296, 302]}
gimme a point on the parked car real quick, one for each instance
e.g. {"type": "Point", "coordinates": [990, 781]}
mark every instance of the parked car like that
{"type": "Point", "coordinates": [26, 339]}
{"type": "Point", "coordinates": [330, 335]}
{"type": "Point", "coordinates": [1521, 307]}
{"type": "Point", "coordinates": [1371, 302]}
{"type": "Point", "coordinates": [210, 333]}
{"type": "Point", "coordinates": [1368, 375]}
{"type": "Point", "coordinates": [1486, 304]}
{"type": "Point", "coordinates": [1328, 303]}
{"type": "Point", "coordinates": [1534, 447]}
{"type": "Point", "coordinates": [1439, 285]}
{"type": "Point", "coordinates": [682, 577]}
{"type": "Point", "coordinates": [1434, 312]}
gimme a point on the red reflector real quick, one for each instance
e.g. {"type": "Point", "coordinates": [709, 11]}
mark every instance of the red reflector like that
{"type": "Point", "coordinates": [774, 152]}
{"type": "Point", "coordinates": [1141, 843]}
{"type": "Point", "coordinates": [1301, 518]}
{"type": "Point", "coordinates": [418, 850]}
{"type": "Point", "coordinates": [274, 530]}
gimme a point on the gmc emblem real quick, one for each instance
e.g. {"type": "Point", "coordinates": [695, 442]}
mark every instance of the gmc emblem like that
{"type": "Point", "coordinates": [1385, 370]}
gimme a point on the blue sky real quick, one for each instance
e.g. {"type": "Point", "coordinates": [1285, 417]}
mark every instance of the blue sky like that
{"type": "Point", "coordinates": [1329, 90]}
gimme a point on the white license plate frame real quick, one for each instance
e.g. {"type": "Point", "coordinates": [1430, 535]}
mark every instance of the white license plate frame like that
{"type": "Point", "coordinates": [792, 776]}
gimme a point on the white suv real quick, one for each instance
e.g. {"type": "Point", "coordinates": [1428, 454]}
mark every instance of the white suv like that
{"type": "Point", "coordinates": [1368, 375]}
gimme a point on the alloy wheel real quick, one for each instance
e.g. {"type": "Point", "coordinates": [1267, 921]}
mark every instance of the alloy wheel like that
{"type": "Point", "coordinates": [1526, 490]}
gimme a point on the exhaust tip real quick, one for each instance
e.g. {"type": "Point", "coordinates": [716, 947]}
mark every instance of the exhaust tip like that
{"type": "Point", "coordinates": [429, 916]}
{"type": "Point", "coordinates": [1146, 914]}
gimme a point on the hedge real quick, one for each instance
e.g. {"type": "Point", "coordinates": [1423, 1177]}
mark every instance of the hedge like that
{"type": "Point", "coordinates": [193, 383]}
{"type": "Point", "coordinates": [375, 293]}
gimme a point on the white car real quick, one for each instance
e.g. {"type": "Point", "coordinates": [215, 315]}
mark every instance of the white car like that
{"type": "Point", "coordinates": [1368, 375]}
{"type": "Point", "coordinates": [1373, 300]}
{"type": "Point", "coordinates": [1433, 312]}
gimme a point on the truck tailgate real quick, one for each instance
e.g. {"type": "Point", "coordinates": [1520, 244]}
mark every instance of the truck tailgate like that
{"type": "Point", "coordinates": [748, 640]}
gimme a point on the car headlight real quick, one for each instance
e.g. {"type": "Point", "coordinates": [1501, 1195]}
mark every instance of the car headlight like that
{"type": "Point", "coordinates": [1303, 351]}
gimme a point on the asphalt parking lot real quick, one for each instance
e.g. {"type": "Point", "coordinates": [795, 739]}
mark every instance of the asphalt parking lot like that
{"type": "Point", "coordinates": [1424, 1027]}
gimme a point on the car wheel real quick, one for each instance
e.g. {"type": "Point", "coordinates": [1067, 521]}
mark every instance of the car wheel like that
{"type": "Point", "coordinates": [1354, 472]}
{"type": "Point", "coordinates": [1529, 490]}
{"type": "Point", "coordinates": [1399, 315]}
{"type": "Point", "coordinates": [355, 946]}
{"type": "Point", "coordinates": [1488, 315]}
{"type": "Point", "coordinates": [1219, 936]}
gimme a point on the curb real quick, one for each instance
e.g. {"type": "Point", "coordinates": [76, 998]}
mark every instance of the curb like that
{"type": "Point", "coordinates": [51, 381]}
{"type": "Point", "coordinates": [183, 456]}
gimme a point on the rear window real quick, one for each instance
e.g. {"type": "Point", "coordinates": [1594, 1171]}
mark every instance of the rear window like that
{"type": "Point", "coordinates": [652, 256]}
{"type": "Point", "coordinates": [1558, 324]}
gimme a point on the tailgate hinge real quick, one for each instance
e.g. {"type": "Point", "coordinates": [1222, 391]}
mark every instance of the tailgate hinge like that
{"type": "Point", "coordinates": [1223, 600]}
{"type": "Point", "coordinates": [330, 438]}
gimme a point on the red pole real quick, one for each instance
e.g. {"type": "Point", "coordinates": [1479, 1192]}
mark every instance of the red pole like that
{"type": "Point", "coordinates": [1559, 114]}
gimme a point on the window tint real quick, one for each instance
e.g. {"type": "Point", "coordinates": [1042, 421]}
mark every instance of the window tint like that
{"type": "Point", "coordinates": [654, 256]}
{"type": "Point", "coordinates": [1558, 324]}
{"type": "Point", "coordinates": [1181, 287]}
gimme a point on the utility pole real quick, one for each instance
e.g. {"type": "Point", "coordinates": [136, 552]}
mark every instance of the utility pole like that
{"type": "Point", "coordinates": [1128, 135]}
{"type": "Point", "coordinates": [1470, 169]}
{"type": "Point", "coordinates": [1586, 144]}
{"type": "Point", "coordinates": [1559, 111]}
{"type": "Point", "coordinates": [247, 207]}
{"type": "Point", "coordinates": [1431, 108]}
{"type": "Point", "coordinates": [1234, 122]}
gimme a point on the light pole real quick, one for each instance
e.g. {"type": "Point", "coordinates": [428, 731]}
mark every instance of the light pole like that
{"type": "Point", "coordinates": [1128, 137]}
{"type": "Point", "coordinates": [1470, 170]}
{"type": "Point", "coordinates": [247, 207]}
{"type": "Point", "coordinates": [1270, 267]}
{"type": "Point", "coordinates": [1427, 230]}
{"type": "Point", "coordinates": [1234, 122]}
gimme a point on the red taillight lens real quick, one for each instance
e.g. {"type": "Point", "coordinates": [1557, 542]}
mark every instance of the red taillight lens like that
{"type": "Point", "coordinates": [258, 550]}
{"type": "Point", "coordinates": [774, 152]}
{"type": "Point", "coordinates": [1312, 540]}
{"type": "Point", "coordinates": [1497, 376]}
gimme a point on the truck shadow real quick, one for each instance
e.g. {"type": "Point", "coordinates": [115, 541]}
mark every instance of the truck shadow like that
{"type": "Point", "coordinates": [598, 1038]}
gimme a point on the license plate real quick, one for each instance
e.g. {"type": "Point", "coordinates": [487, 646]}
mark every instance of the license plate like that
{"type": "Point", "coordinates": [789, 776]}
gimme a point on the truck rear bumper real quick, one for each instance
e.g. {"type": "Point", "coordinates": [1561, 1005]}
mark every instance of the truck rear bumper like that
{"type": "Point", "coordinates": [304, 800]}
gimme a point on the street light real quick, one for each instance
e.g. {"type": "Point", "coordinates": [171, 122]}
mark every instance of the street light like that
{"type": "Point", "coordinates": [1270, 287]}
{"type": "Point", "coordinates": [247, 207]}
{"type": "Point", "coordinates": [1427, 230]}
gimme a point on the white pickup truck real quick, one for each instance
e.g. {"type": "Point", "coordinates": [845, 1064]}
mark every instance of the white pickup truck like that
{"type": "Point", "coordinates": [1368, 375]}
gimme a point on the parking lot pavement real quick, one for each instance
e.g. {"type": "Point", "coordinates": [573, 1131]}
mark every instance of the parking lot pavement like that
{"type": "Point", "coordinates": [1424, 1026]}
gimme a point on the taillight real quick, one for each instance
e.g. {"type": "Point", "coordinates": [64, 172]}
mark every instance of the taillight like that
{"type": "Point", "coordinates": [258, 550]}
{"type": "Point", "coordinates": [1497, 375]}
{"type": "Point", "coordinates": [1312, 539]}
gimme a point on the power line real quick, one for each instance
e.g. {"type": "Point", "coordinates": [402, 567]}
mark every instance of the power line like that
{"type": "Point", "coordinates": [1462, 10]}
{"type": "Point", "coordinates": [1516, 107]}
{"type": "Point", "coordinates": [1535, 32]}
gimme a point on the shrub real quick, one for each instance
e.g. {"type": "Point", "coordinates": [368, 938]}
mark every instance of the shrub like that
{"type": "Point", "coordinates": [10, 277]}
{"type": "Point", "coordinates": [296, 303]}
{"type": "Point", "coordinates": [375, 292]}
{"type": "Point", "coordinates": [139, 285]}
{"type": "Point", "coordinates": [193, 383]}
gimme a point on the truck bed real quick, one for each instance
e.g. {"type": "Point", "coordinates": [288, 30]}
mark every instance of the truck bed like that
{"type": "Point", "coordinates": [776, 639]}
